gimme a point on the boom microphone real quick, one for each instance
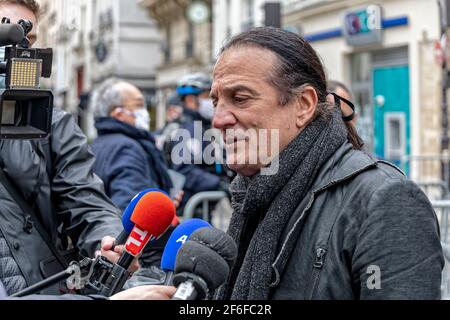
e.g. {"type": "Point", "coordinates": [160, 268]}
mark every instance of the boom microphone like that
{"type": "Point", "coordinates": [203, 263]}
{"type": "Point", "coordinates": [178, 237]}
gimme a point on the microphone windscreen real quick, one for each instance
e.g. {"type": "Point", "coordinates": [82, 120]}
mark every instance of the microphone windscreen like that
{"type": "Point", "coordinates": [202, 261]}
{"type": "Point", "coordinates": [178, 237]}
{"type": "Point", "coordinates": [126, 215]}
{"type": "Point", "coordinates": [217, 240]}
{"type": "Point", "coordinates": [10, 34]}
{"type": "Point", "coordinates": [153, 213]}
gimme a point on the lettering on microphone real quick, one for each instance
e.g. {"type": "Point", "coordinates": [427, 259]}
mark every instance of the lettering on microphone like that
{"type": "Point", "coordinates": [137, 240]}
{"type": "Point", "coordinates": [182, 239]}
{"type": "Point", "coordinates": [190, 310]}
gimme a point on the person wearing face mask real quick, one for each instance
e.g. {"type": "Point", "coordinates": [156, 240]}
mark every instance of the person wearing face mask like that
{"type": "Point", "coordinates": [197, 112]}
{"type": "Point", "coordinates": [127, 159]}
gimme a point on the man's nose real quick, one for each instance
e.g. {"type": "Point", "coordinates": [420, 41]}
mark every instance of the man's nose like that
{"type": "Point", "coordinates": [223, 119]}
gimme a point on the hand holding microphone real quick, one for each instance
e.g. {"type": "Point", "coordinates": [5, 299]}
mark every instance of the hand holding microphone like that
{"type": "Point", "coordinates": [112, 251]}
{"type": "Point", "coordinates": [152, 216]}
{"type": "Point", "coordinates": [112, 248]}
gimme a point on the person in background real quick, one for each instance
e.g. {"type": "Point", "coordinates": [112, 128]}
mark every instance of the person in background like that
{"type": "Point", "coordinates": [128, 161]}
{"type": "Point", "coordinates": [342, 90]}
{"type": "Point", "coordinates": [174, 108]}
{"type": "Point", "coordinates": [193, 91]}
{"type": "Point", "coordinates": [338, 93]}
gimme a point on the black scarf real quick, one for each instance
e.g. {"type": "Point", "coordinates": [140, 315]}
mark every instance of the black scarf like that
{"type": "Point", "coordinates": [262, 205]}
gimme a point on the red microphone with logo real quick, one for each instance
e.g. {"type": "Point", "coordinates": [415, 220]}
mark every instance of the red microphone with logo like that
{"type": "Point", "coordinates": [152, 216]}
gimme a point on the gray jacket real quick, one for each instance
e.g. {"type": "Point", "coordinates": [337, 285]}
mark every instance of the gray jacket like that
{"type": "Point", "coordinates": [364, 232]}
{"type": "Point", "coordinates": [72, 201]}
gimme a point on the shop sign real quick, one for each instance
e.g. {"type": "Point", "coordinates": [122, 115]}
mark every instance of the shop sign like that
{"type": "Point", "coordinates": [363, 26]}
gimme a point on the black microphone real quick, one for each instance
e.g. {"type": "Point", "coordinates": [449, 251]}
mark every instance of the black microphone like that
{"type": "Point", "coordinates": [203, 263]}
{"type": "Point", "coordinates": [10, 34]}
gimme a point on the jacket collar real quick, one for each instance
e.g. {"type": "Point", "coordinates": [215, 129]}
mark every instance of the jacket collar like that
{"type": "Point", "coordinates": [109, 125]}
{"type": "Point", "coordinates": [345, 163]}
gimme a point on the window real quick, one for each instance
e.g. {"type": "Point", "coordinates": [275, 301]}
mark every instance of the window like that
{"type": "Point", "coordinates": [190, 41]}
{"type": "Point", "coordinates": [166, 45]}
{"type": "Point", "coordinates": [394, 135]}
{"type": "Point", "coordinates": [248, 15]}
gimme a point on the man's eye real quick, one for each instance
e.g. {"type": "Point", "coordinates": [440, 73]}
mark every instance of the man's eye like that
{"type": "Point", "coordinates": [239, 99]}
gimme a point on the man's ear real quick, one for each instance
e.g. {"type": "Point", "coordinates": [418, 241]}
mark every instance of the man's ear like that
{"type": "Point", "coordinates": [115, 113]}
{"type": "Point", "coordinates": [306, 104]}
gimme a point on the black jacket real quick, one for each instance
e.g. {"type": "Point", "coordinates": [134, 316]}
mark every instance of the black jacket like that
{"type": "Point", "coordinates": [363, 232]}
{"type": "Point", "coordinates": [70, 198]}
{"type": "Point", "coordinates": [127, 161]}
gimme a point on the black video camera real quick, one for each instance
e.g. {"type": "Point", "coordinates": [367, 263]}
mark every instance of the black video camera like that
{"type": "Point", "coordinates": [25, 109]}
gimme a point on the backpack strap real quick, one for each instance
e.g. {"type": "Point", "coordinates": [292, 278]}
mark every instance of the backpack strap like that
{"type": "Point", "coordinates": [46, 147]}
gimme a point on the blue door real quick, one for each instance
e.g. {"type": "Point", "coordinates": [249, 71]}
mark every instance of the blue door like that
{"type": "Point", "coordinates": [391, 113]}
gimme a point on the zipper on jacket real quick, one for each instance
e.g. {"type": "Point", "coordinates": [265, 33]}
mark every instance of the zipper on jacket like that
{"type": "Point", "coordinates": [317, 266]}
{"type": "Point", "coordinates": [318, 263]}
{"type": "Point", "coordinates": [277, 280]}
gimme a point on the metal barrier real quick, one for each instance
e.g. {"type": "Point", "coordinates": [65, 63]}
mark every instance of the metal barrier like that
{"type": "Point", "coordinates": [437, 190]}
{"type": "Point", "coordinates": [429, 170]}
{"type": "Point", "coordinates": [442, 209]}
{"type": "Point", "coordinates": [204, 198]}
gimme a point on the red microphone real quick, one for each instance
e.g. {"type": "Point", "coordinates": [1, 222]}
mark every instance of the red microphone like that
{"type": "Point", "coordinates": [152, 216]}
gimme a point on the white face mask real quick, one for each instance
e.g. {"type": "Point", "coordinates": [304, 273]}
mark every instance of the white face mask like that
{"type": "Point", "coordinates": [206, 108]}
{"type": "Point", "coordinates": [142, 119]}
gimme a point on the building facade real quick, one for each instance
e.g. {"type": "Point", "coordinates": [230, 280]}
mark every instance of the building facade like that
{"type": "Point", "coordinates": [186, 46]}
{"type": "Point", "coordinates": [94, 40]}
{"type": "Point", "coordinates": [385, 51]}
{"type": "Point", "coordinates": [234, 16]}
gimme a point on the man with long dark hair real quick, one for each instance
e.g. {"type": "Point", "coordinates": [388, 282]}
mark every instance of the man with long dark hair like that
{"type": "Point", "coordinates": [331, 222]}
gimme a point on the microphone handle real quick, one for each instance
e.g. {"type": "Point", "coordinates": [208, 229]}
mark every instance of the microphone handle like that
{"type": "Point", "coordinates": [189, 287]}
{"type": "Point", "coordinates": [125, 260]}
{"type": "Point", "coordinates": [168, 279]}
{"type": "Point", "coordinates": [121, 239]}
{"type": "Point", "coordinates": [185, 291]}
